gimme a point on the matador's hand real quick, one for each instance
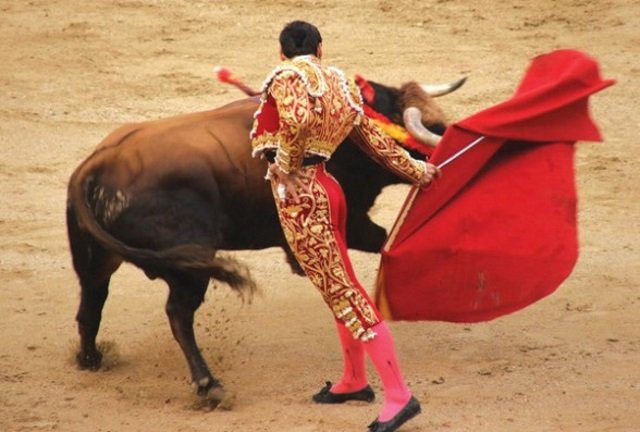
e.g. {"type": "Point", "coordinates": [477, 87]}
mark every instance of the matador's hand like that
{"type": "Point", "coordinates": [431, 172]}
{"type": "Point", "coordinates": [291, 182]}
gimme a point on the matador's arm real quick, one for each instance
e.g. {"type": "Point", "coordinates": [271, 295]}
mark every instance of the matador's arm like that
{"type": "Point", "coordinates": [381, 147]}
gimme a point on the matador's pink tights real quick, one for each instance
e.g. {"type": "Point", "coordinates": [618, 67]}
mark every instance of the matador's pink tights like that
{"type": "Point", "coordinates": [382, 353]}
{"type": "Point", "coordinates": [354, 374]}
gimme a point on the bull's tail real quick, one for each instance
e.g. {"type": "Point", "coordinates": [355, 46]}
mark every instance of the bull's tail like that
{"type": "Point", "coordinates": [187, 257]}
{"type": "Point", "coordinates": [195, 257]}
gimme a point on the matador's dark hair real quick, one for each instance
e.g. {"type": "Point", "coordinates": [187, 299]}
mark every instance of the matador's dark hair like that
{"type": "Point", "coordinates": [299, 38]}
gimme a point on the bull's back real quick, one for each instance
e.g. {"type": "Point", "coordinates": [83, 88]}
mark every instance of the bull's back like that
{"type": "Point", "coordinates": [218, 138]}
{"type": "Point", "coordinates": [195, 167]}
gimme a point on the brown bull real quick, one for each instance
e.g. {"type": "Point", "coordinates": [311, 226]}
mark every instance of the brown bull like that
{"type": "Point", "coordinates": [166, 195]}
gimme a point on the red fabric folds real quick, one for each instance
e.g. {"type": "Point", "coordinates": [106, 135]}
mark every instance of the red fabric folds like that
{"type": "Point", "coordinates": [498, 231]}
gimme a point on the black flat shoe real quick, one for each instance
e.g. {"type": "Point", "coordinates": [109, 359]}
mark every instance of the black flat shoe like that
{"type": "Point", "coordinates": [325, 396]}
{"type": "Point", "coordinates": [410, 410]}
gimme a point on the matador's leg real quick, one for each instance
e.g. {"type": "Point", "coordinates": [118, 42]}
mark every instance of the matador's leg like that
{"type": "Point", "coordinates": [312, 229]}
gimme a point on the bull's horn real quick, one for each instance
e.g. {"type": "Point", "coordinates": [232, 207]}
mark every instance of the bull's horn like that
{"type": "Point", "coordinates": [413, 122]}
{"type": "Point", "coordinates": [436, 90]}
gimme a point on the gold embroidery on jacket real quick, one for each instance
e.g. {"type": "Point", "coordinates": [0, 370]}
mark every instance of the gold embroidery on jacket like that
{"type": "Point", "coordinates": [320, 107]}
{"type": "Point", "coordinates": [317, 106]}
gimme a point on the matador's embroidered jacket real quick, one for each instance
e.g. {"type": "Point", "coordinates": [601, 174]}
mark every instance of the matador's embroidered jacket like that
{"type": "Point", "coordinates": [308, 109]}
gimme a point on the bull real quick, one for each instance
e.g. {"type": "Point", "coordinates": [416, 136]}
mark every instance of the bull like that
{"type": "Point", "coordinates": [166, 195]}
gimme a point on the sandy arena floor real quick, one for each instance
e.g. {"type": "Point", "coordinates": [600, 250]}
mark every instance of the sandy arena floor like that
{"type": "Point", "coordinates": [70, 72]}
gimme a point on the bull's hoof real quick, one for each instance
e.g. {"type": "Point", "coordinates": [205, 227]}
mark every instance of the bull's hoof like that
{"type": "Point", "coordinates": [219, 399]}
{"type": "Point", "coordinates": [212, 396]}
{"type": "Point", "coordinates": [89, 360]}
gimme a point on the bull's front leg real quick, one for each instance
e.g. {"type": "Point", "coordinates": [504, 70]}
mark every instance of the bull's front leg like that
{"type": "Point", "coordinates": [292, 261]}
{"type": "Point", "coordinates": [186, 294]}
{"type": "Point", "coordinates": [364, 234]}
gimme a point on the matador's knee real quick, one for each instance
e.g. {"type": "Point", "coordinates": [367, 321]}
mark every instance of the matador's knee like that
{"type": "Point", "coordinates": [356, 312]}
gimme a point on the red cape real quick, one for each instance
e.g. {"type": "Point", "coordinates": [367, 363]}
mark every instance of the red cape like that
{"type": "Point", "coordinates": [497, 231]}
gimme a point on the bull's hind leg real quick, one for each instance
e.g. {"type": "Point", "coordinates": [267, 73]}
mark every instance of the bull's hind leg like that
{"type": "Point", "coordinates": [94, 288]}
{"type": "Point", "coordinates": [94, 267]}
{"type": "Point", "coordinates": [186, 293]}
{"type": "Point", "coordinates": [92, 299]}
